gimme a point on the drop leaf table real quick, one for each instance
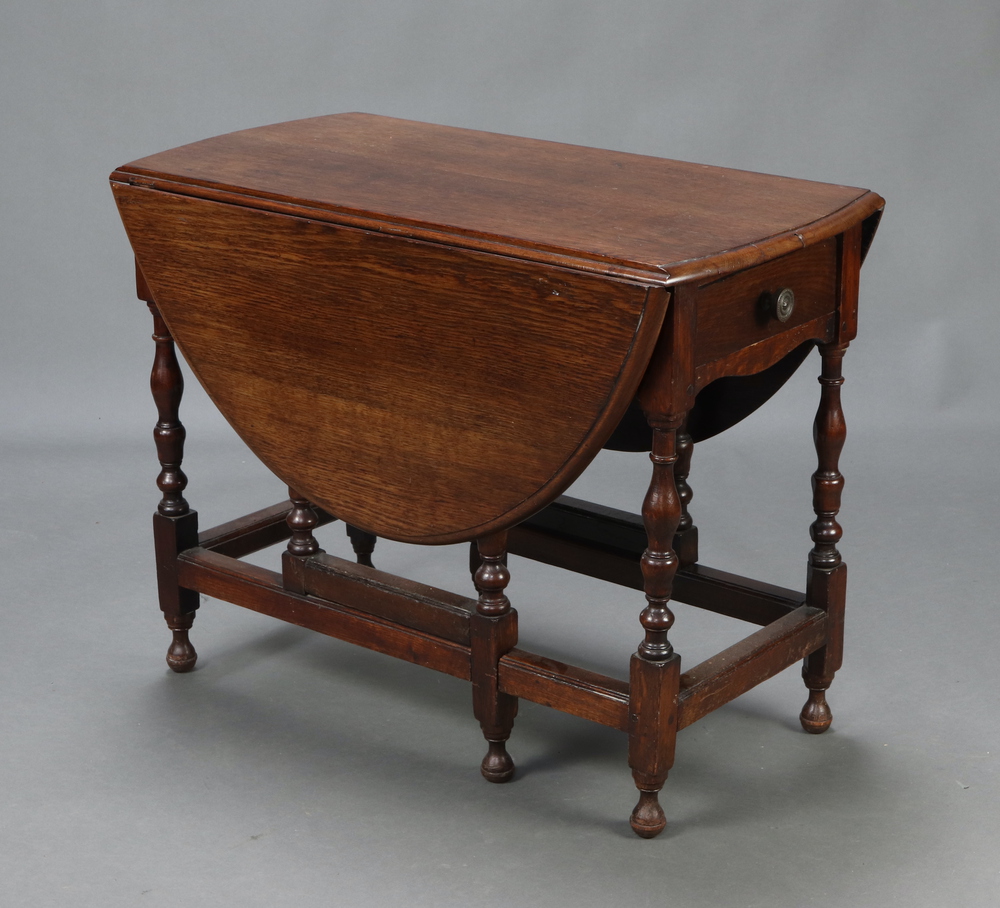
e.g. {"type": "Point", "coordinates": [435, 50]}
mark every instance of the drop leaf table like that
{"type": "Point", "coordinates": [428, 333]}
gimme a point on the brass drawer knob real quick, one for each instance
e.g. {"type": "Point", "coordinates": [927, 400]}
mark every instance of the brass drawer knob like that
{"type": "Point", "coordinates": [783, 304]}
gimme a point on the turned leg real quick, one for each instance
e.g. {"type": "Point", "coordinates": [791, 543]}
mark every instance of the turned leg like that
{"type": "Point", "coordinates": [363, 544]}
{"type": "Point", "coordinates": [493, 632]}
{"type": "Point", "coordinates": [686, 538]}
{"type": "Point", "coordinates": [302, 545]}
{"type": "Point", "coordinates": [655, 667]}
{"type": "Point", "coordinates": [476, 560]}
{"type": "Point", "coordinates": [175, 525]}
{"type": "Point", "coordinates": [826, 580]}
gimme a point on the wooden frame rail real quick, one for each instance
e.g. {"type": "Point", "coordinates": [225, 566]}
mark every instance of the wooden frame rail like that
{"type": "Point", "coordinates": [395, 616]}
{"type": "Point", "coordinates": [744, 665]}
{"type": "Point", "coordinates": [431, 627]}
{"type": "Point", "coordinates": [606, 543]}
{"type": "Point", "coordinates": [255, 531]}
{"type": "Point", "coordinates": [263, 591]}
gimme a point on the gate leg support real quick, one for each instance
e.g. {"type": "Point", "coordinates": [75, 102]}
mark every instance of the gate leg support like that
{"type": "Point", "coordinates": [493, 632]}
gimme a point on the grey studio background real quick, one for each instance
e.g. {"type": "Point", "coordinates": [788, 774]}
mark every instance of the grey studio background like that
{"type": "Point", "coordinates": [290, 769]}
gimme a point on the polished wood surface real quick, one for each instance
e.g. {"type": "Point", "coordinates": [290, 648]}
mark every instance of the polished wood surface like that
{"type": "Point", "coordinates": [826, 580]}
{"type": "Point", "coordinates": [731, 314]}
{"type": "Point", "coordinates": [428, 333]}
{"type": "Point", "coordinates": [435, 383]}
{"type": "Point", "coordinates": [250, 244]}
{"type": "Point", "coordinates": [175, 525]}
{"type": "Point", "coordinates": [601, 210]}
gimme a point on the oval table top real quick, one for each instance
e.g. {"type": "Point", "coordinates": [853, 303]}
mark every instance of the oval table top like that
{"type": "Point", "coordinates": [431, 331]}
{"type": "Point", "coordinates": [541, 200]}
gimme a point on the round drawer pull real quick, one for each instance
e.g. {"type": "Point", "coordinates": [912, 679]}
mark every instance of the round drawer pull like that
{"type": "Point", "coordinates": [783, 303]}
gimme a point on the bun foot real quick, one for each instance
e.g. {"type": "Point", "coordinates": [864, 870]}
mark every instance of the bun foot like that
{"type": "Point", "coordinates": [181, 656]}
{"type": "Point", "coordinates": [816, 716]}
{"type": "Point", "coordinates": [497, 766]}
{"type": "Point", "coordinates": [648, 820]}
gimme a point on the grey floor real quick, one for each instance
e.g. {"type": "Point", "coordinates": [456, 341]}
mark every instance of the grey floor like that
{"type": "Point", "coordinates": [291, 769]}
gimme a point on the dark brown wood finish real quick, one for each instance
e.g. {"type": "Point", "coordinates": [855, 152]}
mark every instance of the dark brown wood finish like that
{"type": "Point", "coordinates": [430, 332]}
{"type": "Point", "coordinates": [608, 544]}
{"type": "Point", "coordinates": [166, 381]}
{"type": "Point", "coordinates": [733, 312]}
{"type": "Point", "coordinates": [457, 459]}
{"type": "Point", "coordinates": [655, 667]}
{"type": "Point", "coordinates": [264, 591]}
{"type": "Point", "coordinates": [302, 545]}
{"type": "Point", "coordinates": [826, 583]}
{"type": "Point", "coordinates": [171, 537]}
{"type": "Point", "coordinates": [302, 520]}
{"type": "Point", "coordinates": [666, 396]}
{"type": "Point", "coordinates": [568, 688]}
{"type": "Point", "coordinates": [826, 577]}
{"type": "Point", "coordinates": [363, 544]}
{"type": "Point", "coordinates": [175, 525]}
{"type": "Point", "coordinates": [746, 664]}
{"type": "Point", "coordinates": [493, 634]}
{"type": "Point", "coordinates": [686, 538]}
{"type": "Point", "coordinates": [253, 532]}
{"type": "Point", "coordinates": [405, 602]}
{"type": "Point", "coordinates": [539, 200]}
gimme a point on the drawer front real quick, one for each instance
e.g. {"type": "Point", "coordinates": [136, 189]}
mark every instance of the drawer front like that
{"type": "Point", "coordinates": [740, 310]}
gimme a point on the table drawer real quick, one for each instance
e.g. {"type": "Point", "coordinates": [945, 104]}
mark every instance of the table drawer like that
{"type": "Point", "coordinates": [740, 310]}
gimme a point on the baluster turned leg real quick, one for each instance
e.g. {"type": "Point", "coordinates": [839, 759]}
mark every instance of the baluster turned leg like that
{"type": "Point", "coordinates": [301, 520]}
{"type": "Point", "coordinates": [826, 583]}
{"type": "Point", "coordinates": [175, 525]}
{"type": "Point", "coordinates": [493, 632]}
{"type": "Point", "coordinates": [302, 545]}
{"type": "Point", "coordinates": [363, 544]}
{"type": "Point", "coordinates": [476, 560]}
{"type": "Point", "coordinates": [655, 667]}
{"type": "Point", "coordinates": [686, 537]}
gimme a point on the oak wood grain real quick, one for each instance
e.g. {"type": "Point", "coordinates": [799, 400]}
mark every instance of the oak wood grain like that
{"type": "Point", "coordinates": [731, 314]}
{"type": "Point", "coordinates": [567, 688]}
{"type": "Point", "coordinates": [413, 369]}
{"type": "Point", "coordinates": [396, 599]}
{"type": "Point", "coordinates": [606, 210]}
{"type": "Point", "coordinates": [746, 664]}
{"type": "Point", "coordinates": [261, 590]}
{"type": "Point", "coordinates": [429, 332]}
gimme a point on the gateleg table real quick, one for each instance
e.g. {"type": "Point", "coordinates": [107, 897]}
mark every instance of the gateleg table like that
{"type": "Point", "coordinates": [428, 333]}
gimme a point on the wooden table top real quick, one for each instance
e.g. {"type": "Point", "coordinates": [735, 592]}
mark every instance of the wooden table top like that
{"type": "Point", "coordinates": [595, 210]}
{"type": "Point", "coordinates": [431, 331]}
